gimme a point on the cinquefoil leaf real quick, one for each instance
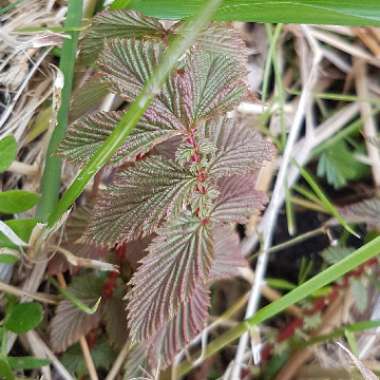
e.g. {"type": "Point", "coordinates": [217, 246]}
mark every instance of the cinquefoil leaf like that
{"type": "Point", "coordinates": [127, 63]}
{"type": "Point", "coordinates": [238, 199]}
{"type": "Point", "coordinates": [179, 260]}
{"type": "Point", "coordinates": [228, 257]}
{"type": "Point", "coordinates": [240, 149]}
{"type": "Point", "coordinates": [89, 132]}
{"type": "Point", "coordinates": [141, 198]}
{"type": "Point", "coordinates": [216, 82]}
{"type": "Point", "coordinates": [178, 332]}
{"type": "Point", "coordinates": [122, 23]}
{"type": "Point", "coordinates": [69, 322]}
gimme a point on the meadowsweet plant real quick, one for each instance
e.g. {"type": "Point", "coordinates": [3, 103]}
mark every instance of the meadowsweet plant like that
{"type": "Point", "coordinates": [185, 176]}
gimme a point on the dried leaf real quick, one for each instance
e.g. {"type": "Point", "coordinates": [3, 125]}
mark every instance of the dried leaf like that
{"type": "Point", "coordinates": [119, 23]}
{"type": "Point", "coordinates": [179, 259]}
{"type": "Point", "coordinates": [238, 199]}
{"type": "Point", "coordinates": [228, 257]}
{"type": "Point", "coordinates": [178, 332]}
{"type": "Point", "coordinates": [240, 149]}
{"type": "Point", "coordinates": [142, 197]}
{"type": "Point", "coordinates": [70, 323]}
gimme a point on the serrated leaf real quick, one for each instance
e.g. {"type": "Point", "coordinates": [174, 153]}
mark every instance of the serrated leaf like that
{"type": "Point", "coordinates": [88, 133]}
{"type": "Point", "coordinates": [240, 149]}
{"type": "Point", "coordinates": [366, 211]}
{"type": "Point", "coordinates": [359, 293]}
{"type": "Point", "coordinates": [178, 332]}
{"type": "Point", "coordinates": [216, 83]}
{"type": "Point", "coordinates": [222, 39]}
{"type": "Point", "coordinates": [338, 165]}
{"type": "Point", "coordinates": [238, 199]}
{"type": "Point", "coordinates": [179, 259]}
{"type": "Point", "coordinates": [228, 257]}
{"type": "Point", "coordinates": [334, 254]}
{"type": "Point", "coordinates": [15, 201]}
{"type": "Point", "coordinates": [69, 322]}
{"type": "Point", "coordinates": [127, 63]}
{"type": "Point", "coordinates": [23, 317]}
{"type": "Point", "coordinates": [120, 23]}
{"type": "Point", "coordinates": [88, 97]}
{"type": "Point", "coordinates": [8, 151]}
{"type": "Point", "coordinates": [142, 197]}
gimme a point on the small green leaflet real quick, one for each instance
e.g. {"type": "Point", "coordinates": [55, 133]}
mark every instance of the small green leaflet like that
{"type": "Point", "coordinates": [334, 254]}
{"type": "Point", "coordinates": [23, 317]}
{"type": "Point", "coordinates": [21, 227]}
{"type": "Point", "coordinates": [5, 369]}
{"type": "Point", "coordinates": [338, 165]}
{"type": "Point", "coordinates": [14, 201]}
{"type": "Point", "coordinates": [26, 362]}
{"type": "Point", "coordinates": [8, 150]}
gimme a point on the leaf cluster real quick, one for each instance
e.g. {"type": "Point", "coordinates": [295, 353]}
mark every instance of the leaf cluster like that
{"type": "Point", "coordinates": [186, 174]}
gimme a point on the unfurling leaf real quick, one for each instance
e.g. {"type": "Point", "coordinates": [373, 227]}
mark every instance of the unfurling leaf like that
{"type": "Point", "coordinates": [238, 199]}
{"type": "Point", "coordinates": [179, 260]}
{"type": "Point", "coordinates": [125, 24]}
{"type": "Point", "coordinates": [142, 197]}
{"type": "Point", "coordinates": [240, 149]}
{"type": "Point", "coordinates": [69, 322]}
{"type": "Point", "coordinates": [8, 152]}
{"type": "Point", "coordinates": [228, 257]}
{"type": "Point", "coordinates": [179, 331]}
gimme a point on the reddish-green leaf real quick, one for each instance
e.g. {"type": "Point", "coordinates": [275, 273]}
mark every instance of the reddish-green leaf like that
{"type": "Point", "coordinates": [110, 24]}
{"type": "Point", "coordinates": [238, 199]}
{"type": "Point", "coordinates": [240, 149]}
{"type": "Point", "coordinates": [179, 259]}
{"type": "Point", "coordinates": [179, 331]}
{"type": "Point", "coordinates": [69, 322]}
{"type": "Point", "coordinates": [228, 257]}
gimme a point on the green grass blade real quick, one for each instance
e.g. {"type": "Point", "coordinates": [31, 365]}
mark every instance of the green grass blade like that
{"type": "Point", "coordinates": [137, 108]}
{"type": "Point", "coordinates": [51, 178]}
{"type": "Point", "coordinates": [341, 12]}
{"type": "Point", "coordinates": [322, 279]}
{"type": "Point", "coordinates": [325, 201]}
